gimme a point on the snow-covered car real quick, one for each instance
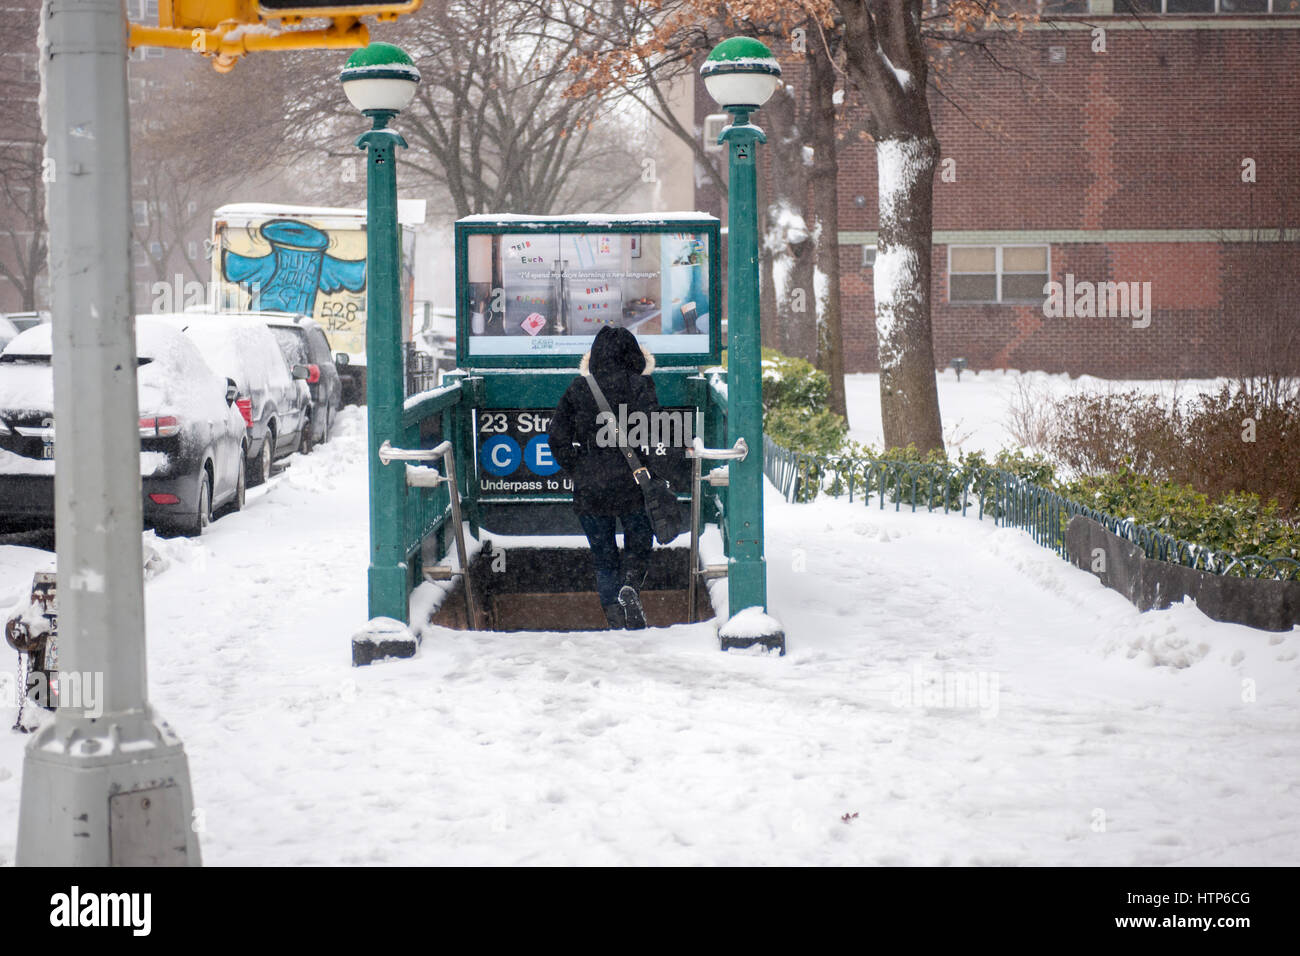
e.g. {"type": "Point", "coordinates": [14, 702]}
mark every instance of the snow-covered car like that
{"type": "Point", "coordinates": [8, 331]}
{"type": "Point", "coordinates": [275, 401]}
{"type": "Point", "coordinates": [302, 342]}
{"type": "Point", "coordinates": [191, 433]}
{"type": "Point", "coordinates": [23, 321]}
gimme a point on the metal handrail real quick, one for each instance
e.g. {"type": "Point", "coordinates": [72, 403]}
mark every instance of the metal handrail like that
{"type": "Point", "coordinates": [443, 450]}
{"type": "Point", "coordinates": [697, 453]}
{"type": "Point", "coordinates": [737, 452]}
{"type": "Point", "coordinates": [388, 454]}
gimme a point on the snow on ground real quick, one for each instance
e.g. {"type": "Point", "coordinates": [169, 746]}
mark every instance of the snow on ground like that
{"type": "Point", "coordinates": [960, 694]}
{"type": "Point", "coordinates": [975, 409]}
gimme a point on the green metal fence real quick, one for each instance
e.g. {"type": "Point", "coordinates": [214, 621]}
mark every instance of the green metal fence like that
{"type": "Point", "coordinates": [1010, 500]}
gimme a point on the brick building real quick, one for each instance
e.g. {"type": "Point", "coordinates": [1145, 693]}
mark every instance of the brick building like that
{"type": "Point", "coordinates": [1172, 158]}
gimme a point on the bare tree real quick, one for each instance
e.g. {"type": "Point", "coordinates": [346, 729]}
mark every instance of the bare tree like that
{"type": "Point", "coordinates": [489, 128]}
{"type": "Point", "coordinates": [887, 61]}
{"type": "Point", "coordinates": [24, 170]}
{"type": "Point", "coordinates": [641, 46]}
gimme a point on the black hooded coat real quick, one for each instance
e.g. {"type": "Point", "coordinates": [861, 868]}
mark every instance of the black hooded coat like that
{"type": "Point", "coordinates": [602, 480]}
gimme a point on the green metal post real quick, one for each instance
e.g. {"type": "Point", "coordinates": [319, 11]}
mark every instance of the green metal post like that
{"type": "Point", "coordinates": [747, 572]}
{"type": "Point", "coordinates": [388, 573]}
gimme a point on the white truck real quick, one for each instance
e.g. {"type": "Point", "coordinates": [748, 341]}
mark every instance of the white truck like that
{"type": "Point", "coordinates": [308, 260]}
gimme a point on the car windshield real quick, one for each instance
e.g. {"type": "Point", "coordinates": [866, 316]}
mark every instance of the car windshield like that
{"type": "Point", "coordinates": [293, 344]}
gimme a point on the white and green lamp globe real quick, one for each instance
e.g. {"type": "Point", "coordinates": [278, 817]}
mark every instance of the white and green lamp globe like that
{"type": "Point", "coordinates": [380, 78]}
{"type": "Point", "coordinates": [741, 73]}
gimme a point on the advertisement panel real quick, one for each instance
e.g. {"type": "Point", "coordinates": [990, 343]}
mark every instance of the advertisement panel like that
{"type": "Point", "coordinates": [536, 292]}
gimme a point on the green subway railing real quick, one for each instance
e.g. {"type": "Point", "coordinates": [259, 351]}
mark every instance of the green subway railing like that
{"type": "Point", "coordinates": [1010, 500]}
{"type": "Point", "coordinates": [428, 417]}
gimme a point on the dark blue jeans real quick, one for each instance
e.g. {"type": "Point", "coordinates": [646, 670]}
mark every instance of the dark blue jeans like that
{"type": "Point", "coordinates": [613, 570]}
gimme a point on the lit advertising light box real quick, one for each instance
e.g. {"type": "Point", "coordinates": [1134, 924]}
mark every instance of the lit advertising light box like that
{"type": "Point", "coordinates": [533, 291]}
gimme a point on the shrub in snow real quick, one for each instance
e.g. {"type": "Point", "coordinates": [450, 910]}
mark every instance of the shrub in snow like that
{"type": "Point", "coordinates": [1230, 441]}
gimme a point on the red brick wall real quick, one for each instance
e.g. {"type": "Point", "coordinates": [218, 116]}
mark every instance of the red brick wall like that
{"type": "Point", "coordinates": [1149, 135]}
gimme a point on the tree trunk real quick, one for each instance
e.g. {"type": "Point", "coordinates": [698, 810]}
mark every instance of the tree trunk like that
{"type": "Point", "coordinates": [785, 230]}
{"type": "Point", "coordinates": [826, 216]}
{"type": "Point", "coordinates": [909, 399]}
{"type": "Point", "coordinates": [885, 58]}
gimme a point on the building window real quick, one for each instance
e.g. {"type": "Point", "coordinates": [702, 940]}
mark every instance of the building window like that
{"type": "Point", "coordinates": [868, 256]}
{"type": "Point", "coordinates": [156, 250]}
{"type": "Point", "coordinates": [141, 209]}
{"type": "Point", "coordinates": [713, 126]}
{"type": "Point", "coordinates": [1204, 6]}
{"type": "Point", "coordinates": [997, 273]}
{"type": "Point", "coordinates": [192, 249]}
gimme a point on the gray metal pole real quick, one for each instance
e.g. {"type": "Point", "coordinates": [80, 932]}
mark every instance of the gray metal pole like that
{"type": "Point", "coordinates": [113, 788]}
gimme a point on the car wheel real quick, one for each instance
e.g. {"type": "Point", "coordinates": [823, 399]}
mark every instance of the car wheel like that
{"type": "Point", "coordinates": [204, 516]}
{"type": "Point", "coordinates": [260, 470]}
{"type": "Point", "coordinates": [305, 437]}
{"type": "Point", "coordinates": [241, 487]}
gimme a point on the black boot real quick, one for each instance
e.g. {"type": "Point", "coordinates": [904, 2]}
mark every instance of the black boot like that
{"type": "Point", "coordinates": [629, 598]}
{"type": "Point", "coordinates": [614, 615]}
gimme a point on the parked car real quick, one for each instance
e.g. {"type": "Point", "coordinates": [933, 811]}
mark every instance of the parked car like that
{"type": "Point", "coordinates": [26, 320]}
{"type": "Point", "coordinates": [274, 401]}
{"type": "Point", "coordinates": [353, 374]}
{"type": "Point", "coordinates": [302, 342]}
{"type": "Point", "coordinates": [8, 331]}
{"type": "Point", "coordinates": [191, 434]}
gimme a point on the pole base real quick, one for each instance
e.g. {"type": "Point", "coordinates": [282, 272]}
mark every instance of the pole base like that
{"type": "Point", "coordinates": [752, 627]}
{"type": "Point", "coordinates": [114, 791]}
{"type": "Point", "coordinates": [381, 639]}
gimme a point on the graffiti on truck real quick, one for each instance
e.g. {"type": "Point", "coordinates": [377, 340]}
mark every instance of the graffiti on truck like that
{"type": "Point", "coordinates": [291, 265]}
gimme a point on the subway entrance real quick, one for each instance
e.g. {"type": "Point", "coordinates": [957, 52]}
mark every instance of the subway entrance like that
{"type": "Point", "coordinates": [552, 589]}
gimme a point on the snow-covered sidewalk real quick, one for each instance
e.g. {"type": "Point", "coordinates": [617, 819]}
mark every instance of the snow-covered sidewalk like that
{"type": "Point", "coordinates": [1073, 730]}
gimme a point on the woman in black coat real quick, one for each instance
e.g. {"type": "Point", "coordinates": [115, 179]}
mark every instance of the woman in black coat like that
{"type": "Point", "coordinates": [604, 491]}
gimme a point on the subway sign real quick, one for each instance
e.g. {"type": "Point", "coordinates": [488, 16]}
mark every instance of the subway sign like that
{"type": "Point", "coordinates": [514, 456]}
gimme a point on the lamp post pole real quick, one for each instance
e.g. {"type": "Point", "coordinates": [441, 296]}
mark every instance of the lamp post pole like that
{"type": "Point", "coordinates": [380, 79]}
{"type": "Point", "coordinates": [105, 783]}
{"type": "Point", "coordinates": [384, 389]}
{"type": "Point", "coordinates": [747, 570]}
{"type": "Point", "coordinates": [741, 74]}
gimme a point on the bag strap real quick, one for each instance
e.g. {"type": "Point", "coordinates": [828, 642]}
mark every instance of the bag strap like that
{"type": "Point", "coordinates": [633, 460]}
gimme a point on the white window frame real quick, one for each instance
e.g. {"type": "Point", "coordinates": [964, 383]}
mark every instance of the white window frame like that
{"type": "Point", "coordinates": [1217, 11]}
{"type": "Point", "coordinates": [997, 270]}
{"type": "Point", "coordinates": [710, 135]}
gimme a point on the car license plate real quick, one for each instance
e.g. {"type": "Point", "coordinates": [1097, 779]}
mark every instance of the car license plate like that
{"type": "Point", "coordinates": [48, 450]}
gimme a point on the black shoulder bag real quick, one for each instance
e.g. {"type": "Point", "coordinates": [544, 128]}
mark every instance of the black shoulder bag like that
{"type": "Point", "coordinates": [661, 505]}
